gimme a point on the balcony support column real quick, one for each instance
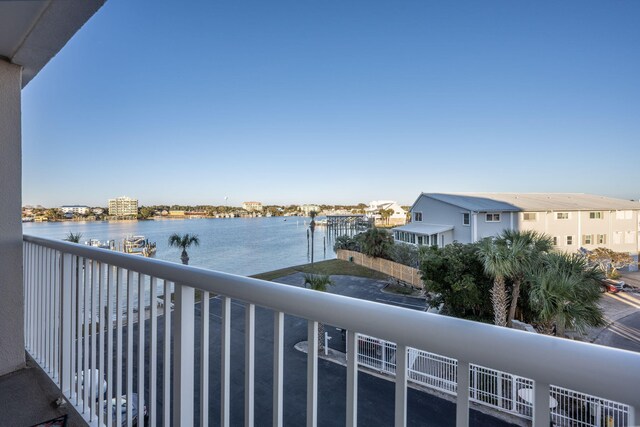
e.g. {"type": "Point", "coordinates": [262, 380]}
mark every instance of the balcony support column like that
{"type": "Point", "coordinates": [183, 355]}
{"type": "Point", "coordinates": [12, 301]}
{"type": "Point", "coordinates": [462, 394]}
{"type": "Point", "coordinates": [541, 413]}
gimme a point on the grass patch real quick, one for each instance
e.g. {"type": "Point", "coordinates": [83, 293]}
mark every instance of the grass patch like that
{"type": "Point", "coordinates": [332, 267]}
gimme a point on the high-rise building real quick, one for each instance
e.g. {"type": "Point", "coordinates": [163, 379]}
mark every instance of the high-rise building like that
{"type": "Point", "coordinates": [123, 206]}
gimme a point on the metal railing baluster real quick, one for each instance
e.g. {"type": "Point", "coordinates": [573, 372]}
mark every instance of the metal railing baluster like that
{"type": "Point", "coordinates": [249, 363]}
{"type": "Point", "coordinates": [312, 373]}
{"type": "Point", "coordinates": [141, 344]}
{"type": "Point", "coordinates": [225, 360]}
{"type": "Point", "coordinates": [278, 367]}
{"type": "Point", "coordinates": [130, 324]}
{"type": "Point", "coordinates": [153, 349]}
{"type": "Point", "coordinates": [204, 359]}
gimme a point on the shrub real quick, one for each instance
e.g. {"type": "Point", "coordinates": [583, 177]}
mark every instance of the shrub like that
{"type": "Point", "coordinates": [347, 243]}
{"type": "Point", "coordinates": [405, 255]}
{"type": "Point", "coordinates": [376, 243]}
{"type": "Point", "coordinates": [317, 282]}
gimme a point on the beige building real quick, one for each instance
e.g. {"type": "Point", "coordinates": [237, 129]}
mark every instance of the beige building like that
{"type": "Point", "coordinates": [252, 206]}
{"type": "Point", "coordinates": [123, 206]}
{"type": "Point", "coordinates": [308, 208]}
{"type": "Point", "coordinates": [572, 220]}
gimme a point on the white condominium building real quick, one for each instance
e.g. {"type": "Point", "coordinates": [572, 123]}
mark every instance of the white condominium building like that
{"type": "Point", "coordinates": [123, 206]}
{"type": "Point", "coordinates": [572, 220]}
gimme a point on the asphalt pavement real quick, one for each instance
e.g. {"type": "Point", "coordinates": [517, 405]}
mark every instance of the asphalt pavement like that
{"type": "Point", "coordinates": [375, 394]}
{"type": "Point", "coordinates": [622, 310]}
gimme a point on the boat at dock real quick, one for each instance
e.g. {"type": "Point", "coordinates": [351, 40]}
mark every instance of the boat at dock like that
{"type": "Point", "coordinates": [138, 245]}
{"type": "Point", "coordinates": [109, 244]}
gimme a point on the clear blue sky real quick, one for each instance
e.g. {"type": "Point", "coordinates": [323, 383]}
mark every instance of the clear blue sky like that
{"type": "Point", "coordinates": [337, 102]}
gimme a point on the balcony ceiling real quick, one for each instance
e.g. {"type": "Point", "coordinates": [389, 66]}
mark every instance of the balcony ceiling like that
{"type": "Point", "coordinates": [33, 31]}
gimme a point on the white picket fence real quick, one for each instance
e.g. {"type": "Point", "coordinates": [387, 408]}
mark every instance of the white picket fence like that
{"type": "Point", "coordinates": [489, 387]}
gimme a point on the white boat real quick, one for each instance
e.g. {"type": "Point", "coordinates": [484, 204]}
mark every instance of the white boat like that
{"type": "Point", "coordinates": [138, 245]}
{"type": "Point", "coordinates": [109, 244]}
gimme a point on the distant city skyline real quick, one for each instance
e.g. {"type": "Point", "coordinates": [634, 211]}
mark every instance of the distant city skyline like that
{"type": "Point", "coordinates": [336, 103]}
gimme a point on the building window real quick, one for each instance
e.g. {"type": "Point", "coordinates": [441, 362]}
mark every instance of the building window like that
{"type": "Point", "coordinates": [493, 217]}
{"type": "Point", "coordinates": [529, 216]}
{"type": "Point", "coordinates": [419, 240]}
{"type": "Point", "coordinates": [629, 237]}
{"type": "Point", "coordinates": [417, 216]}
{"type": "Point", "coordinates": [624, 214]}
{"type": "Point", "coordinates": [466, 220]}
{"type": "Point", "coordinates": [595, 215]}
{"type": "Point", "coordinates": [562, 215]}
{"type": "Point", "coordinates": [587, 239]}
{"type": "Point", "coordinates": [602, 239]}
{"type": "Point", "coordinates": [569, 240]}
{"type": "Point", "coordinates": [413, 238]}
{"type": "Point", "coordinates": [555, 240]}
{"type": "Point", "coordinates": [617, 237]}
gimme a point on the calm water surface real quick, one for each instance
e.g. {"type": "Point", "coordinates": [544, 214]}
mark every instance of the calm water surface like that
{"type": "Point", "coordinates": [234, 245]}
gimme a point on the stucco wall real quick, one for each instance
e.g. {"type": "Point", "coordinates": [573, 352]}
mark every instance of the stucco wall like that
{"type": "Point", "coordinates": [11, 297]}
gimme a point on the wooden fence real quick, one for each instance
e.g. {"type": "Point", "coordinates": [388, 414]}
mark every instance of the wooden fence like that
{"type": "Point", "coordinates": [401, 272]}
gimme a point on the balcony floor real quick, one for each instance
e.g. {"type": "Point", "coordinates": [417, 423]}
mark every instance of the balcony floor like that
{"type": "Point", "coordinates": [27, 397]}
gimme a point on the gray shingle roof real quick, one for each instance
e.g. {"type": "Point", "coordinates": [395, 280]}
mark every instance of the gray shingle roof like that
{"type": "Point", "coordinates": [483, 202]}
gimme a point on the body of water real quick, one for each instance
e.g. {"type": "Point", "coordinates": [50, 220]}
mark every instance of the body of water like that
{"type": "Point", "coordinates": [243, 246]}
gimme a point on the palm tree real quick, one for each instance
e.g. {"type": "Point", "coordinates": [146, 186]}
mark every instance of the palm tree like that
{"type": "Point", "coordinates": [564, 292]}
{"type": "Point", "coordinates": [312, 227]}
{"type": "Point", "coordinates": [73, 238]}
{"type": "Point", "coordinates": [320, 283]}
{"type": "Point", "coordinates": [376, 243]}
{"type": "Point", "coordinates": [524, 249]}
{"type": "Point", "coordinates": [184, 242]}
{"type": "Point", "coordinates": [495, 260]}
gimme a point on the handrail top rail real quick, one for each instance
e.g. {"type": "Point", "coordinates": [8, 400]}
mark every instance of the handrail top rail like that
{"type": "Point", "coordinates": [601, 371]}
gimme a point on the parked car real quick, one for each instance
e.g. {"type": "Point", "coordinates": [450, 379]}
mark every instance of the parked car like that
{"type": "Point", "coordinates": [612, 286]}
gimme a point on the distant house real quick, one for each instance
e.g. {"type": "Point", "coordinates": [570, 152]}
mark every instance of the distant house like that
{"type": "Point", "coordinates": [398, 217]}
{"type": "Point", "coordinates": [572, 220]}
{"type": "Point", "coordinates": [75, 209]}
{"type": "Point", "coordinates": [252, 206]}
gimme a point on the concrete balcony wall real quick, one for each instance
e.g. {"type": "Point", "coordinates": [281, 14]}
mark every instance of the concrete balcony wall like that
{"type": "Point", "coordinates": [11, 303]}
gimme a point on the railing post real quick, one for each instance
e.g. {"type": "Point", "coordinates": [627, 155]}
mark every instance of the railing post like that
{"type": "Point", "coordinates": [66, 327]}
{"type": "Point", "coordinates": [541, 415]}
{"type": "Point", "coordinates": [462, 392]}
{"type": "Point", "coordinates": [183, 355]}
{"type": "Point", "coordinates": [352, 379]}
{"type": "Point", "coordinates": [401, 386]}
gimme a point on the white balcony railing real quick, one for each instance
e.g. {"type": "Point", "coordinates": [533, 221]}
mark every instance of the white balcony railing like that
{"type": "Point", "coordinates": [492, 388]}
{"type": "Point", "coordinates": [82, 306]}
